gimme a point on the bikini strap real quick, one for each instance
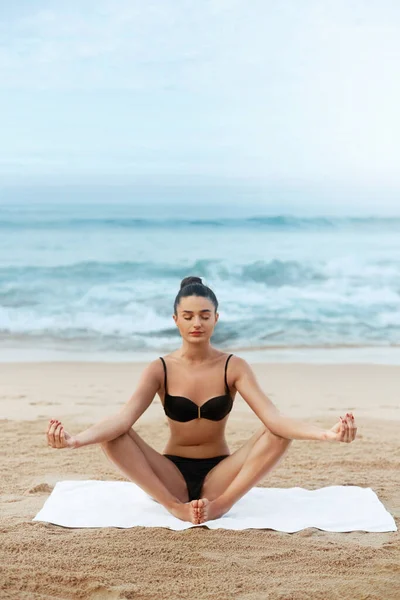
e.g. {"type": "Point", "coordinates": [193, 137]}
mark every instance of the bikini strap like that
{"type": "Point", "coordinates": [165, 373]}
{"type": "Point", "coordinates": [226, 365]}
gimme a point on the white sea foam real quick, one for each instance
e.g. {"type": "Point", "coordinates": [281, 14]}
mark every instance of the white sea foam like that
{"type": "Point", "coordinates": [111, 281]}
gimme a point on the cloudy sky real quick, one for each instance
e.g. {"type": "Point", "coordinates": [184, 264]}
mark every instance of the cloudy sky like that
{"type": "Point", "coordinates": [280, 93]}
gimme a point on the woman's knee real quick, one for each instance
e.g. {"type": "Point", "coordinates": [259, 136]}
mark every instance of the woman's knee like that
{"type": "Point", "coordinates": [271, 440]}
{"type": "Point", "coordinates": [112, 442]}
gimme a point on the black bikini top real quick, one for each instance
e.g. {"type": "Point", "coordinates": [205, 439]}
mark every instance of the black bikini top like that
{"type": "Point", "coordinates": [179, 408]}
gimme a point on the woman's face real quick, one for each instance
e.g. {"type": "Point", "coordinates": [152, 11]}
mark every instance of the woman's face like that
{"type": "Point", "coordinates": [196, 314]}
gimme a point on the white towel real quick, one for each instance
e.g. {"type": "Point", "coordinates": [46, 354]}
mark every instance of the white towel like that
{"type": "Point", "coordinates": [91, 503]}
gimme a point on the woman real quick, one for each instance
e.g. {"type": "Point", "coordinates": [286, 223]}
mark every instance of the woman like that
{"type": "Point", "coordinates": [197, 478]}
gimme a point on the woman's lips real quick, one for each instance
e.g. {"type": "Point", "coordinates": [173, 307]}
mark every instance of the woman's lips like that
{"type": "Point", "coordinates": [197, 333]}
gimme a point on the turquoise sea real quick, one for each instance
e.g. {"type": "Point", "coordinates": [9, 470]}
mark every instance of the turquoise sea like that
{"type": "Point", "coordinates": [100, 280]}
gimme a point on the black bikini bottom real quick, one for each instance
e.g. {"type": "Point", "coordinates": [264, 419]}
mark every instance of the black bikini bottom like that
{"type": "Point", "coordinates": [194, 471]}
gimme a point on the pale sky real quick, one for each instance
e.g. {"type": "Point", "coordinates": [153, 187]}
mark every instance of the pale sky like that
{"type": "Point", "coordinates": [295, 91]}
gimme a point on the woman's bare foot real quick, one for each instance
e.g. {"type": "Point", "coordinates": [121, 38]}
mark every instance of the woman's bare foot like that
{"type": "Point", "coordinates": [197, 511]}
{"type": "Point", "coordinates": [184, 511]}
{"type": "Point", "coordinates": [207, 510]}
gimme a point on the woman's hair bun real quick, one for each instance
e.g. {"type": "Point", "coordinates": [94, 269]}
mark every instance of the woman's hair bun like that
{"type": "Point", "coordinates": [189, 280]}
{"type": "Point", "coordinates": [194, 286]}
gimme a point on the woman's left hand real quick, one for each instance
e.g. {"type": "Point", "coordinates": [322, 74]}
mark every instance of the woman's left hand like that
{"type": "Point", "coordinates": [345, 430]}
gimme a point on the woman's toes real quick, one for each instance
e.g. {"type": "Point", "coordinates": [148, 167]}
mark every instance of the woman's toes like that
{"type": "Point", "coordinates": [203, 509]}
{"type": "Point", "coordinates": [195, 511]}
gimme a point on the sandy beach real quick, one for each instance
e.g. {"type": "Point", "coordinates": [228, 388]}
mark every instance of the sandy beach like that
{"type": "Point", "coordinates": [41, 560]}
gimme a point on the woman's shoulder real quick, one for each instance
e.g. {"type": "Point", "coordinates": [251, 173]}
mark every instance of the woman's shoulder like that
{"type": "Point", "coordinates": [154, 373]}
{"type": "Point", "coordinates": [238, 366]}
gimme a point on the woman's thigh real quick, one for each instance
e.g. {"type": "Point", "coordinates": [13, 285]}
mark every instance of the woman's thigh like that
{"type": "Point", "coordinates": [220, 476]}
{"type": "Point", "coordinates": [164, 468]}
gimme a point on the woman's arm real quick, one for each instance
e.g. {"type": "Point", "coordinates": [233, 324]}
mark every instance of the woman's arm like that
{"type": "Point", "coordinates": [292, 429]}
{"type": "Point", "coordinates": [104, 431]}
{"type": "Point", "coordinates": [114, 426]}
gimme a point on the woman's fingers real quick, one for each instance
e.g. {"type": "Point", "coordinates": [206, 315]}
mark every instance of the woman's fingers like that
{"type": "Point", "coordinates": [346, 431]}
{"type": "Point", "coordinates": [57, 435]}
{"type": "Point", "coordinates": [351, 432]}
{"type": "Point", "coordinates": [50, 432]}
{"type": "Point", "coordinates": [53, 433]}
{"type": "Point", "coordinates": [349, 428]}
{"type": "Point", "coordinates": [342, 430]}
{"type": "Point", "coordinates": [352, 426]}
{"type": "Point", "coordinates": [61, 436]}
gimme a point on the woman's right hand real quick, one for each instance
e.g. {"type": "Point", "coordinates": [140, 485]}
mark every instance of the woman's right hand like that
{"type": "Point", "coordinates": [57, 437]}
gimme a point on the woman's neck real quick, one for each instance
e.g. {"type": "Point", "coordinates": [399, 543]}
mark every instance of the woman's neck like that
{"type": "Point", "coordinates": [196, 353]}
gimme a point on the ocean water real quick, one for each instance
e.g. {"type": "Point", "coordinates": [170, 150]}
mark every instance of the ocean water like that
{"type": "Point", "coordinates": [103, 278]}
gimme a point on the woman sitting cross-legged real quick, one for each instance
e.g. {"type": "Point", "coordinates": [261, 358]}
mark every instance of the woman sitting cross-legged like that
{"type": "Point", "coordinates": [197, 478]}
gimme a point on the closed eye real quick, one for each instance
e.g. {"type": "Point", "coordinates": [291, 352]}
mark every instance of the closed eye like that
{"type": "Point", "coordinates": [188, 319]}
